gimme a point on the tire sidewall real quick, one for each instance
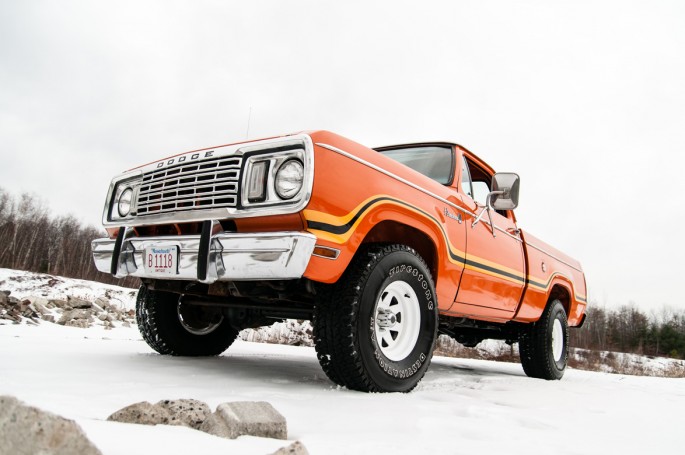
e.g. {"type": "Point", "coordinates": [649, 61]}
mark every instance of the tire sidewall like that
{"type": "Point", "coordinates": [388, 374]}
{"type": "Point", "coordinates": [557, 314]}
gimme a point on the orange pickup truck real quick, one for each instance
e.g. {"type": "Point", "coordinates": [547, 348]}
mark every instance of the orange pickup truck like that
{"type": "Point", "coordinates": [382, 249]}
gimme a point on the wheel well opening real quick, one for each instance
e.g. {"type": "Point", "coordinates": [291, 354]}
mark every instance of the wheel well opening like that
{"type": "Point", "coordinates": [561, 293]}
{"type": "Point", "coordinates": [393, 232]}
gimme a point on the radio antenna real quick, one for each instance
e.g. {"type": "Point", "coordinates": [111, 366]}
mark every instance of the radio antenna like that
{"type": "Point", "coordinates": [249, 116]}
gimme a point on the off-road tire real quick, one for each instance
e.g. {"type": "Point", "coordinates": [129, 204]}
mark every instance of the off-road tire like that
{"type": "Point", "coordinates": [536, 344]}
{"type": "Point", "coordinates": [346, 322]}
{"type": "Point", "coordinates": [158, 320]}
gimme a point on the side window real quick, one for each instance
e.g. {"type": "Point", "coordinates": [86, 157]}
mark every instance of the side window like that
{"type": "Point", "coordinates": [475, 182]}
{"type": "Point", "coordinates": [466, 178]}
{"type": "Point", "coordinates": [479, 182]}
{"type": "Point", "coordinates": [436, 162]}
{"type": "Point", "coordinates": [480, 191]}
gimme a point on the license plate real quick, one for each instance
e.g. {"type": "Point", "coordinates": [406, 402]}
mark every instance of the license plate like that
{"type": "Point", "coordinates": [161, 260]}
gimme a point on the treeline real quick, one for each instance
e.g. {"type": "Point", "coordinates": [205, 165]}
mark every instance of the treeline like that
{"type": "Point", "coordinates": [627, 329]}
{"type": "Point", "coordinates": [32, 239]}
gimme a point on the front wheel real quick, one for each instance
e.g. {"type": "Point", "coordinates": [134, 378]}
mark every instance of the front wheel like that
{"type": "Point", "coordinates": [172, 327]}
{"type": "Point", "coordinates": [375, 330]}
{"type": "Point", "coordinates": [543, 345]}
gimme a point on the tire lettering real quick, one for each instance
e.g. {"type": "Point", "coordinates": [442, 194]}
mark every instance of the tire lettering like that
{"type": "Point", "coordinates": [420, 277]}
{"type": "Point", "coordinates": [403, 373]}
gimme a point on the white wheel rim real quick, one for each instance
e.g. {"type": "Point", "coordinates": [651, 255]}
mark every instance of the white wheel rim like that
{"type": "Point", "coordinates": [203, 329]}
{"type": "Point", "coordinates": [397, 320]}
{"type": "Point", "coordinates": [557, 340]}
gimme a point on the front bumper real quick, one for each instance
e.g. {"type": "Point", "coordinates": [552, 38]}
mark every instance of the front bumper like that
{"type": "Point", "coordinates": [209, 258]}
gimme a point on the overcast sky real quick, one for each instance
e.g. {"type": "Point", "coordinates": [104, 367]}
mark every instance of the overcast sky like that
{"type": "Point", "coordinates": [584, 99]}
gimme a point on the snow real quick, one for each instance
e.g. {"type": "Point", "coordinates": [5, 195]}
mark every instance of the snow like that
{"type": "Point", "coordinates": [462, 406]}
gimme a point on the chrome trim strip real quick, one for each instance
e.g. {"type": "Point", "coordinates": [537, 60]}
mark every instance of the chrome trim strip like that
{"type": "Point", "coordinates": [232, 257]}
{"type": "Point", "coordinates": [408, 183]}
{"type": "Point", "coordinates": [553, 257]}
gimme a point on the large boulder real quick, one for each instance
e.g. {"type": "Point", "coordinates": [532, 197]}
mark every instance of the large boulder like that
{"type": "Point", "coordinates": [254, 418]}
{"type": "Point", "coordinates": [28, 430]}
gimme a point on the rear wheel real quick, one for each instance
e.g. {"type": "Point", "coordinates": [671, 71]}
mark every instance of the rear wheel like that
{"type": "Point", "coordinates": [543, 345]}
{"type": "Point", "coordinates": [172, 327]}
{"type": "Point", "coordinates": [375, 329]}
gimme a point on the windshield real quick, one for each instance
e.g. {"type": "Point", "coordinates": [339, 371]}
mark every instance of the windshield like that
{"type": "Point", "coordinates": [432, 161]}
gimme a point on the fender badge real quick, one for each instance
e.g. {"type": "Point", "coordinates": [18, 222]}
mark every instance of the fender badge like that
{"type": "Point", "coordinates": [454, 217]}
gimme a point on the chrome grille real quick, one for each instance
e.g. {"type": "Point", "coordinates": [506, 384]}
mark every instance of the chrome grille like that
{"type": "Point", "coordinates": [200, 185]}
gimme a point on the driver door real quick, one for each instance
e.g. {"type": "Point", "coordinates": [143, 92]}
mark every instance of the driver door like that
{"type": "Point", "coordinates": [493, 279]}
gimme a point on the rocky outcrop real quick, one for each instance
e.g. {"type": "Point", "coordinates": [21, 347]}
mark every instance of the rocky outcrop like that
{"type": "Point", "coordinates": [72, 312]}
{"type": "Point", "coordinates": [28, 430]}
{"type": "Point", "coordinates": [291, 331]}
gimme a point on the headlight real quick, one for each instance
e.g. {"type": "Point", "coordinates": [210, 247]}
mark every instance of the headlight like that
{"type": "Point", "coordinates": [289, 179]}
{"type": "Point", "coordinates": [274, 177]}
{"type": "Point", "coordinates": [124, 204]}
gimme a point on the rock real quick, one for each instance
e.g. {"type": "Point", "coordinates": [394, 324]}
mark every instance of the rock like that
{"type": "Point", "coordinates": [185, 412]}
{"type": "Point", "coordinates": [103, 303]}
{"type": "Point", "coordinates": [28, 430]}
{"type": "Point", "coordinates": [296, 448]}
{"type": "Point", "coordinates": [4, 297]}
{"type": "Point", "coordinates": [48, 318]}
{"type": "Point", "coordinates": [77, 303]}
{"type": "Point", "coordinates": [73, 315]}
{"type": "Point", "coordinates": [254, 418]}
{"type": "Point", "coordinates": [80, 323]}
{"type": "Point", "coordinates": [57, 303]}
{"type": "Point", "coordinates": [39, 305]}
{"type": "Point", "coordinates": [104, 317]}
{"type": "Point", "coordinates": [142, 413]}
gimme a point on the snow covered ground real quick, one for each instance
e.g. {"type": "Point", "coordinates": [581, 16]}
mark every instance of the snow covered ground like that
{"type": "Point", "coordinates": [461, 407]}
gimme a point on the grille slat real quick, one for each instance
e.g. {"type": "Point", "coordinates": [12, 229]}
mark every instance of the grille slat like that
{"type": "Point", "coordinates": [146, 191]}
{"type": "Point", "coordinates": [186, 198]}
{"type": "Point", "coordinates": [201, 185]}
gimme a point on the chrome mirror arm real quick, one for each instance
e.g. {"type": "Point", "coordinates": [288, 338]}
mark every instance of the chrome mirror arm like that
{"type": "Point", "coordinates": [487, 208]}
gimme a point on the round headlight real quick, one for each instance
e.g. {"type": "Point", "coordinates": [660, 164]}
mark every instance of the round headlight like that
{"type": "Point", "coordinates": [289, 179]}
{"type": "Point", "coordinates": [125, 200]}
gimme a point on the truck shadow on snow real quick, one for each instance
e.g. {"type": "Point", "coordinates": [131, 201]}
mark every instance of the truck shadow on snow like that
{"type": "Point", "coordinates": [262, 368]}
{"type": "Point", "coordinates": [470, 367]}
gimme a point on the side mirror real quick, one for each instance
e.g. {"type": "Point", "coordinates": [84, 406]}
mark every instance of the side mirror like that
{"type": "Point", "coordinates": [503, 196]}
{"type": "Point", "coordinates": [505, 191]}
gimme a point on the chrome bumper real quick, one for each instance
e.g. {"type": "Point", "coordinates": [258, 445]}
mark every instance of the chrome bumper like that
{"type": "Point", "coordinates": [220, 257]}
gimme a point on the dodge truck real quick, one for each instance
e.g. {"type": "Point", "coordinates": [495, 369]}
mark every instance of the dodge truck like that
{"type": "Point", "coordinates": [382, 249]}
